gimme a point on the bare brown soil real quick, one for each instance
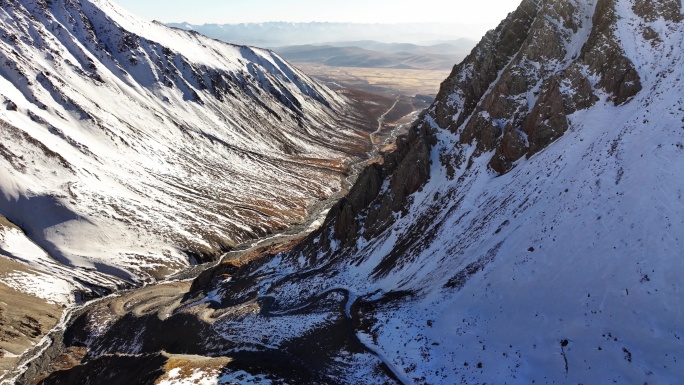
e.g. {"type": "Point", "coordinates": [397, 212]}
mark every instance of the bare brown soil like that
{"type": "Point", "coordinates": [379, 80]}
{"type": "Point", "coordinates": [24, 319]}
{"type": "Point", "coordinates": [188, 365]}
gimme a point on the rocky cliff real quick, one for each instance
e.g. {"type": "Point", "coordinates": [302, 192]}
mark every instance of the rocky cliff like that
{"type": "Point", "coordinates": [528, 229]}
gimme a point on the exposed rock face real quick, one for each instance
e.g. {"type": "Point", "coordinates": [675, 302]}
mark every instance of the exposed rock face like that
{"type": "Point", "coordinates": [546, 121]}
{"type": "Point", "coordinates": [653, 10]}
{"type": "Point", "coordinates": [472, 77]}
{"type": "Point", "coordinates": [604, 56]}
{"type": "Point", "coordinates": [405, 169]}
{"type": "Point", "coordinates": [546, 53]}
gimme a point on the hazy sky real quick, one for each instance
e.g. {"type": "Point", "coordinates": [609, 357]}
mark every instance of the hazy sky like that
{"type": "Point", "coordinates": [476, 16]}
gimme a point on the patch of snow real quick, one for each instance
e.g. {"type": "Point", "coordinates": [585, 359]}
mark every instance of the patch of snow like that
{"type": "Point", "coordinates": [45, 286]}
{"type": "Point", "coordinates": [244, 378]}
{"type": "Point", "coordinates": [270, 331]}
{"type": "Point", "coordinates": [197, 377]}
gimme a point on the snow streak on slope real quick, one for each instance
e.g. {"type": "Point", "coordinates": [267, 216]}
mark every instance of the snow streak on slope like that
{"type": "Point", "coordinates": [127, 145]}
{"type": "Point", "coordinates": [44, 282]}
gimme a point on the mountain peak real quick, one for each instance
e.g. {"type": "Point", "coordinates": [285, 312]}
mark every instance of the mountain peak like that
{"type": "Point", "coordinates": [547, 60]}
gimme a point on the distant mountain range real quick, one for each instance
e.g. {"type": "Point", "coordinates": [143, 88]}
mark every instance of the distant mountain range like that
{"type": "Point", "coordinates": [278, 34]}
{"type": "Point", "coordinates": [447, 47]}
{"type": "Point", "coordinates": [405, 46]}
{"type": "Point", "coordinates": [375, 54]}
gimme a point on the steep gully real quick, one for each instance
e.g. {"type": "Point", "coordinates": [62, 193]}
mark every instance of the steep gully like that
{"type": "Point", "coordinates": [38, 358]}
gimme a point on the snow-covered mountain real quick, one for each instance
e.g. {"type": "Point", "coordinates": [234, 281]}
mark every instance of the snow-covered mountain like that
{"type": "Point", "coordinates": [129, 150]}
{"type": "Point", "coordinates": [528, 229]}
{"type": "Point", "coordinates": [127, 146]}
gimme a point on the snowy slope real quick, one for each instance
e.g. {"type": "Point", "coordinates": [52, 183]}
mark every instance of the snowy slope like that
{"type": "Point", "coordinates": [46, 280]}
{"type": "Point", "coordinates": [566, 268]}
{"type": "Point", "coordinates": [563, 269]}
{"type": "Point", "coordinates": [543, 245]}
{"type": "Point", "coordinates": [129, 149]}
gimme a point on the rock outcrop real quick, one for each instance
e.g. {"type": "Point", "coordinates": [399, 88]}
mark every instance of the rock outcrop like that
{"type": "Point", "coordinates": [531, 72]}
{"type": "Point", "coordinates": [405, 170]}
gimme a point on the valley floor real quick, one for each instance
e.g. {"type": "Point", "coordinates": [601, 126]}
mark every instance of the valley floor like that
{"type": "Point", "coordinates": [408, 82]}
{"type": "Point", "coordinates": [48, 354]}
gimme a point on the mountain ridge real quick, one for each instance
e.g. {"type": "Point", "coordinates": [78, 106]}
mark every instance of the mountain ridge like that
{"type": "Point", "coordinates": [526, 229]}
{"type": "Point", "coordinates": [130, 151]}
{"type": "Point", "coordinates": [351, 56]}
{"type": "Point", "coordinates": [271, 34]}
{"type": "Point", "coordinates": [125, 60]}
